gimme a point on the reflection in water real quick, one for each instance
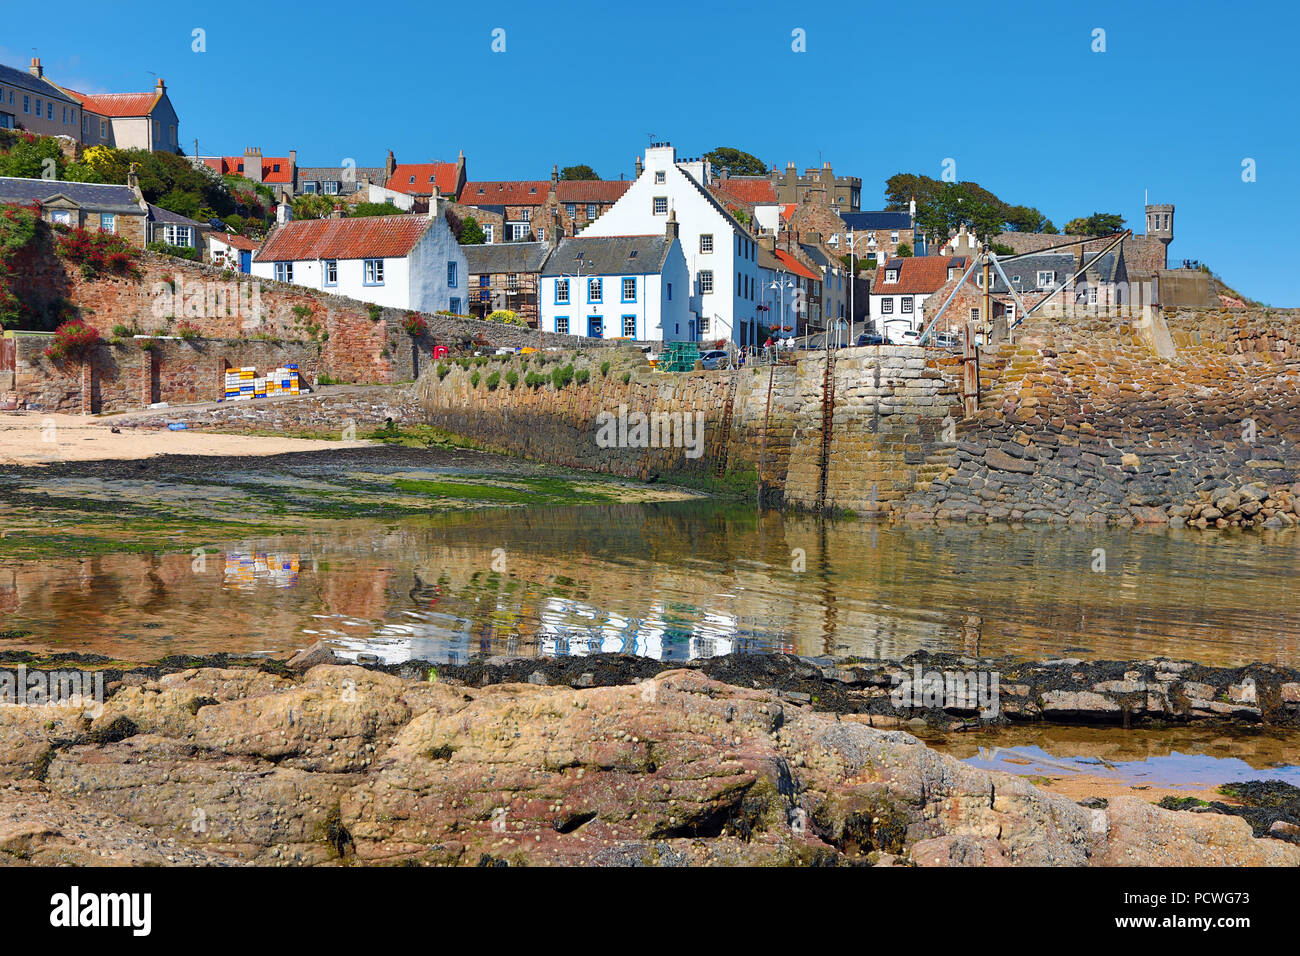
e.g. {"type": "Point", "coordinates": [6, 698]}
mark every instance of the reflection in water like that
{"type": "Point", "coordinates": [678, 581]}
{"type": "Point", "coordinates": [1174, 769]}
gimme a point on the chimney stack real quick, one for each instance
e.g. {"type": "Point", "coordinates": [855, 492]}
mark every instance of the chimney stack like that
{"type": "Point", "coordinates": [160, 86]}
{"type": "Point", "coordinates": [253, 163]}
{"type": "Point", "coordinates": [672, 230]}
{"type": "Point", "coordinates": [337, 212]}
{"type": "Point", "coordinates": [283, 213]}
{"type": "Point", "coordinates": [390, 167]}
{"type": "Point", "coordinates": [36, 69]}
{"type": "Point", "coordinates": [639, 168]}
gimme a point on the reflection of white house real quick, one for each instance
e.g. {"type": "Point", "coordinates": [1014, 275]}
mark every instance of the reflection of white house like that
{"type": "Point", "coordinates": [721, 254]}
{"type": "Point", "coordinates": [634, 287]}
{"type": "Point", "coordinates": [403, 262]}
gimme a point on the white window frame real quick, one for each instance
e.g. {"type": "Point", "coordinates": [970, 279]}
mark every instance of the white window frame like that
{"type": "Point", "coordinates": [706, 243]}
{"type": "Point", "coordinates": [1046, 283]}
{"type": "Point", "coordinates": [660, 177]}
{"type": "Point", "coordinates": [561, 291]}
{"type": "Point", "coordinates": [891, 275]}
{"type": "Point", "coordinates": [562, 325]}
{"type": "Point", "coordinates": [887, 305]}
{"type": "Point", "coordinates": [655, 206]}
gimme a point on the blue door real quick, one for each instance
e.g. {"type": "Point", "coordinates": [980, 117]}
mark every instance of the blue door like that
{"type": "Point", "coordinates": [595, 326]}
{"type": "Point", "coordinates": [245, 261]}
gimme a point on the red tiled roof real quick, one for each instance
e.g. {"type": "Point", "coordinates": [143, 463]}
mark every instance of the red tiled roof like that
{"type": "Point", "coordinates": [751, 190]}
{"type": "Point", "coordinates": [117, 104]}
{"type": "Point", "coordinates": [788, 210]}
{"type": "Point", "coordinates": [513, 192]}
{"type": "Point", "coordinates": [234, 166]}
{"type": "Point", "coordinates": [239, 242]}
{"type": "Point", "coordinates": [418, 179]}
{"type": "Point", "coordinates": [367, 237]}
{"type": "Point", "coordinates": [916, 274]}
{"type": "Point", "coordinates": [591, 190]}
{"type": "Point", "coordinates": [794, 265]}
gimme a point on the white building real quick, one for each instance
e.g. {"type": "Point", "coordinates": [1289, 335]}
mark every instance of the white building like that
{"type": "Point", "coordinates": [634, 287]}
{"type": "Point", "coordinates": [901, 286]}
{"type": "Point", "coordinates": [721, 254]}
{"type": "Point", "coordinates": [402, 262]}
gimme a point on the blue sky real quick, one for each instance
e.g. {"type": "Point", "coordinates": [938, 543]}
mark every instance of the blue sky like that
{"type": "Point", "coordinates": [1011, 91]}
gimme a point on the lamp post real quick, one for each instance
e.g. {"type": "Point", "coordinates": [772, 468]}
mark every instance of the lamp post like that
{"type": "Point", "coordinates": [853, 274]}
{"type": "Point", "coordinates": [780, 286]}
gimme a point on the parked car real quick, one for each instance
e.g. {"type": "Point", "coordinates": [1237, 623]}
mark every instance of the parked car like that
{"type": "Point", "coordinates": [871, 338]}
{"type": "Point", "coordinates": [713, 358]}
{"type": "Point", "coordinates": [899, 336]}
{"type": "Point", "coordinates": [947, 340]}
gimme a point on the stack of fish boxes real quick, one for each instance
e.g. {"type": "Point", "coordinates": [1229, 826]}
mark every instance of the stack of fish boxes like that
{"type": "Point", "coordinates": [240, 384]}
{"type": "Point", "coordinates": [283, 380]}
{"type": "Point", "coordinates": [243, 384]}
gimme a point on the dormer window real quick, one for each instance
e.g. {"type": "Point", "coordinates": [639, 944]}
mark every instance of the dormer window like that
{"type": "Point", "coordinates": [891, 275]}
{"type": "Point", "coordinates": [1046, 278]}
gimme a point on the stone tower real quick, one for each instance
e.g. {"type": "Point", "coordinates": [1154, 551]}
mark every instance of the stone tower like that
{"type": "Point", "coordinates": [1160, 222]}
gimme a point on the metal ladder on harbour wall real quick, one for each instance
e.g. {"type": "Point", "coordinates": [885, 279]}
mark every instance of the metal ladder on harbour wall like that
{"type": "Point", "coordinates": [828, 417]}
{"type": "Point", "coordinates": [720, 462]}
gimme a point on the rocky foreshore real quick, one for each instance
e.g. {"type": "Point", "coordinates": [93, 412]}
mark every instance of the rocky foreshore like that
{"type": "Point", "coordinates": [596, 761]}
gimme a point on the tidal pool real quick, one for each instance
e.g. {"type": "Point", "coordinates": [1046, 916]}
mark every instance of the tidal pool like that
{"type": "Point", "coordinates": [672, 580]}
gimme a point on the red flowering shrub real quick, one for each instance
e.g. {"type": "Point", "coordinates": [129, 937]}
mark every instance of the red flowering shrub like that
{"type": "Point", "coordinates": [188, 330]}
{"type": "Point", "coordinates": [97, 252]}
{"type": "Point", "coordinates": [73, 339]}
{"type": "Point", "coordinates": [415, 324]}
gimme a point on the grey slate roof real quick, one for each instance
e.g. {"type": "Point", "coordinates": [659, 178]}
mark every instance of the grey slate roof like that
{"type": "Point", "coordinates": [87, 195]}
{"type": "Point", "coordinates": [608, 255]}
{"type": "Point", "coordinates": [158, 214]}
{"type": "Point", "coordinates": [816, 255]}
{"type": "Point", "coordinates": [23, 80]}
{"type": "Point", "coordinates": [1027, 268]}
{"type": "Point", "coordinates": [495, 258]}
{"type": "Point", "coordinates": [326, 174]}
{"type": "Point", "coordinates": [883, 219]}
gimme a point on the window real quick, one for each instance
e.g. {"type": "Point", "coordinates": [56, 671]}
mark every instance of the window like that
{"type": "Point", "coordinates": [629, 290]}
{"type": "Point", "coordinates": [455, 305]}
{"type": "Point", "coordinates": [489, 231]}
{"type": "Point", "coordinates": [704, 325]}
{"type": "Point", "coordinates": [331, 272]}
{"type": "Point", "coordinates": [706, 242]}
{"type": "Point", "coordinates": [373, 272]}
{"type": "Point", "coordinates": [1092, 295]}
{"type": "Point", "coordinates": [284, 271]}
{"type": "Point", "coordinates": [661, 205]}
{"type": "Point", "coordinates": [512, 281]}
{"type": "Point", "coordinates": [332, 188]}
{"type": "Point", "coordinates": [561, 291]}
{"type": "Point", "coordinates": [571, 210]}
{"type": "Point", "coordinates": [595, 290]}
{"type": "Point", "coordinates": [309, 188]}
{"type": "Point", "coordinates": [175, 235]}
{"type": "Point", "coordinates": [38, 106]}
{"type": "Point", "coordinates": [65, 114]}
{"type": "Point", "coordinates": [61, 216]}
{"type": "Point", "coordinates": [891, 275]}
{"type": "Point", "coordinates": [562, 324]}
{"type": "Point", "coordinates": [974, 315]}
{"type": "Point", "coordinates": [1015, 281]}
{"type": "Point", "coordinates": [27, 104]}
{"type": "Point", "coordinates": [541, 233]}
{"type": "Point", "coordinates": [670, 292]}
{"type": "Point", "coordinates": [706, 281]}
{"type": "Point", "coordinates": [518, 230]}
{"type": "Point", "coordinates": [108, 222]}
{"type": "Point", "coordinates": [893, 237]}
{"type": "Point", "coordinates": [85, 123]}
{"type": "Point", "coordinates": [1046, 278]}
{"type": "Point", "coordinates": [629, 326]}
{"type": "Point", "coordinates": [907, 304]}
{"type": "Point", "coordinates": [591, 210]}
{"type": "Point", "coordinates": [451, 275]}
{"type": "Point", "coordinates": [887, 306]}
{"type": "Point", "coordinates": [660, 175]}
{"type": "Point", "coordinates": [172, 130]}
{"type": "Point", "coordinates": [157, 135]}
{"type": "Point", "coordinates": [525, 215]}
{"type": "Point", "coordinates": [103, 132]}
{"type": "Point", "coordinates": [1011, 311]}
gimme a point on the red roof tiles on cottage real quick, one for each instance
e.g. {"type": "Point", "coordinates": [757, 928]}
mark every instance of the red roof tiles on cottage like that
{"type": "Point", "coordinates": [794, 265]}
{"type": "Point", "coordinates": [591, 190]}
{"type": "Point", "coordinates": [916, 275]}
{"type": "Point", "coordinates": [234, 166]}
{"type": "Point", "coordinates": [519, 192]}
{"type": "Point", "coordinates": [118, 104]}
{"type": "Point", "coordinates": [367, 237]}
{"type": "Point", "coordinates": [751, 190]}
{"type": "Point", "coordinates": [239, 242]}
{"type": "Point", "coordinates": [419, 179]}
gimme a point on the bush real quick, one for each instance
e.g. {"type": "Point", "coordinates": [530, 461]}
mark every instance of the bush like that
{"type": "Point", "coordinates": [443, 369]}
{"type": "Point", "coordinates": [604, 368]}
{"type": "Point", "coordinates": [188, 331]}
{"type": "Point", "coordinates": [627, 377]}
{"type": "Point", "coordinates": [512, 377]}
{"type": "Point", "coordinates": [415, 324]}
{"type": "Point", "coordinates": [74, 340]}
{"type": "Point", "coordinates": [507, 316]}
{"type": "Point", "coordinates": [474, 380]}
{"type": "Point", "coordinates": [376, 312]}
{"type": "Point", "coordinates": [581, 376]}
{"type": "Point", "coordinates": [562, 376]}
{"type": "Point", "coordinates": [533, 380]}
{"type": "Point", "coordinates": [97, 252]}
{"type": "Point", "coordinates": [180, 252]}
{"type": "Point", "coordinates": [493, 381]}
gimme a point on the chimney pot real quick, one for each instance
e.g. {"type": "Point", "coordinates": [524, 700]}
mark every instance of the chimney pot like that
{"type": "Point", "coordinates": [36, 69]}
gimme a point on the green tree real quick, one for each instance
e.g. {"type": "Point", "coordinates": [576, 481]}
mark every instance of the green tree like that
{"type": "Point", "coordinates": [578, 172]}
{"type": "Point", "coordinates": [471, 233]}
{"type": "Point", "coordinates": [904, 250]}
{"type": "Point", "coordinates": [1098, 224]}
{"type": "Point", "coordinates": [28, 159]}
{"type": "Point", "coordinates": [374, 209]}
{"type": "Point", "coordinates": [312, 206]}
{"type": "Point", "coordinates": [1025, 219]}
{"type": "Point", "coordinates": [738, 162]}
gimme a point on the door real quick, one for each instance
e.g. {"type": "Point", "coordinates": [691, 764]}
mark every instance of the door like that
{"type": "Point", "coordinates": [595, 326]}
{"type": "Point", "coordinates": [245, 261]}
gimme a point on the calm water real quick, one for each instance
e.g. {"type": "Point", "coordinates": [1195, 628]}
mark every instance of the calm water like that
{"type": "Point", "coordinates": [677, 581]}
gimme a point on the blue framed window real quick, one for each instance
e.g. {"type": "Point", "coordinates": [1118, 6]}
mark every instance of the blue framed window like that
{"type": "Point", "coordinates": [373, 272]}
{"type": "Point", "coordinates": [284, 271]}
{"type": "Point", "coordinates": [451, 275]}
{"type": "Point", "coordinates": [331, 272]}
{"type": "Point", "coordinates": [49, 110]}
{"type": "Point", "coordinates": [562, 292]}
{"type": "Point", "coordinates": [562, 324]}
{"type": "Point", "coordinates": [595, 290]}
{"type": "Point", "coordinates": [629, 289]}
{"type": "Point", "coordinates": [27, 103]}
{"type": "Point", "coordinates": [38, 106]}
{"type": "Point", "coordinates": [455, 305]}
{"type": "Point", "coordinates": [108, 222]}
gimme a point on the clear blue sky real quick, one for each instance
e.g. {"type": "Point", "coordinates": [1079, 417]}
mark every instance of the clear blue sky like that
{"type": "Point", "coordinates": [1183, 93]}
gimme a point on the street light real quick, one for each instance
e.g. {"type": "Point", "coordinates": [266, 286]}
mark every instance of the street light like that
{"type": "Point", "coordinates": [853, 272]}
{"type": "Point", "coordinates": [781, 286]}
